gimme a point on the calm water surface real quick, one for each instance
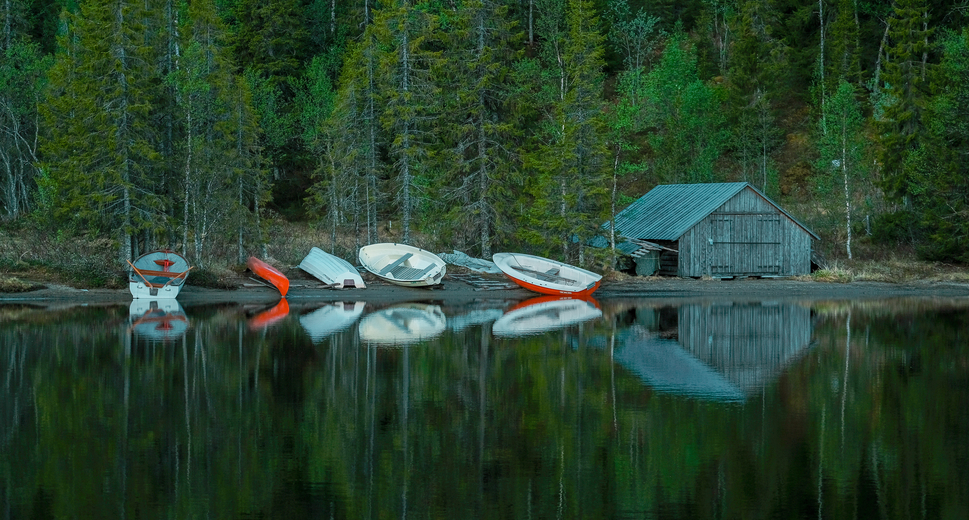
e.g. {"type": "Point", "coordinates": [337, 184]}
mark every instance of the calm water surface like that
{"type": "Point", "coordinates": [548, 409]}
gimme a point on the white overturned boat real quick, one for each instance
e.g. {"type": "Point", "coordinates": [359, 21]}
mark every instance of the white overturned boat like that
{"type": "Point", "coordinates": [403, 265]}
{"type": "Point", "coordinates": [331, 270]}
{"type": "Point", "coordinates": [543, 314]}
{"type": "Point", "coordinates": [402, 324]}
{"type": "Point", "coordinates": [158, 274]}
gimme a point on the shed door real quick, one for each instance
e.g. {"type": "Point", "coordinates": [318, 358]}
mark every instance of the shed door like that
{"type": "Point", "coordinates": [745, 244]}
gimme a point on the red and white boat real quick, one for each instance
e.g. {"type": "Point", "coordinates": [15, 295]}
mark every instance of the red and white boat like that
{"type": "Point", "coordinates": [547, 276]}
{"type": "Point", "coordinates": [158, 274]}
{"type": "Point", "coordinates": [270, 274]}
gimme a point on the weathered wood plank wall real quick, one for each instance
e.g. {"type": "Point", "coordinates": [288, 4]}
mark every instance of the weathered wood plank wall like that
{"type": "Point", "coordinates": [746, 236]}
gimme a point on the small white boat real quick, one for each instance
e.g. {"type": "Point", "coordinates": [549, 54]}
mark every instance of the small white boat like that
{"type": "Point", "coordinates": [158, 274]}
{"type": "Point", "coordinates": [161, 320]}
{"type": "Point", "coordinates": [402, 324]}
{"type": "Point", "coordinates": [330, 319]}
{"type": "Point", "coordinates": [403, 265]}
{"type": "Point", "coordinates": [331, 270]}
{"type": "Point", "coordinates": [543, 314]}
{"type": "Point", "coordinates": [547, 276]}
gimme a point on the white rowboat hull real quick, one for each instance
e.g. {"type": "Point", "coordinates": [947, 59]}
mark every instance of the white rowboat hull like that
{"type": "Point", "coordinates": [331, 270]}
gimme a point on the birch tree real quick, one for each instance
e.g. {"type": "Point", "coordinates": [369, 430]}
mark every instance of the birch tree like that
{"type": "Point", "coordinates": [202, 80]}
{"type": "Point", "coordinates": [22, 71]}
{"type": "Point", "coordinates": [841, 145]}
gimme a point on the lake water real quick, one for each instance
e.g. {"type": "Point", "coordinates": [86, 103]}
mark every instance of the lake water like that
{"type": "Point", "coordinates": [549, 409]}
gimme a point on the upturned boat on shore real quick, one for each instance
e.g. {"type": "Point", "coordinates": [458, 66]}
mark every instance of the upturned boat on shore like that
{"type": "Point", "coordinates": [332, 270]}
{"type": "Point", "coordinates": [270, 274]}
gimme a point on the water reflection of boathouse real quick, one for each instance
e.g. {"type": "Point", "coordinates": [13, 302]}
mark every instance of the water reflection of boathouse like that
{"type": "Point", "coordinates": [723, 351]}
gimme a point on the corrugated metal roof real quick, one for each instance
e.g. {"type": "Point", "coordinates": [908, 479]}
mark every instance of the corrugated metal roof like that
{"type": "Point", "coordinates": [669, 211]}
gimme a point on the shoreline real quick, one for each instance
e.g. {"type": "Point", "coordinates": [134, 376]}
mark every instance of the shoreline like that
{"type": "Point", "coordinates": [455, 290]}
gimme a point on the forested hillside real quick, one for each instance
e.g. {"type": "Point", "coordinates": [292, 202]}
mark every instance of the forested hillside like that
{"type": "Point", "coordinates": [478, 125]}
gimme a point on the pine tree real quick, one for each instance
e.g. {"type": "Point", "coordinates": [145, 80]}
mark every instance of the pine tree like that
{"type": "Point", "coordinates": [410, 100]}
{"type": "Point", "coordinates": [568, 164]}
{"type": "Point", "coordinates": [100, 149]}
{"type": "Point", "coordinates": [906, 78]}
{"type": "Point", "coordinates": [474, 161]}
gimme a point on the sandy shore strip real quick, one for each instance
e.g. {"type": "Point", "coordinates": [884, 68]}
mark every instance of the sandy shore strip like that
{"type": "Point", "coordinates": [458, 289]}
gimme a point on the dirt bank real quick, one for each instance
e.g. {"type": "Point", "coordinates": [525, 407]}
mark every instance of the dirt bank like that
{"type": "Point", "coordinates": [466, 287]}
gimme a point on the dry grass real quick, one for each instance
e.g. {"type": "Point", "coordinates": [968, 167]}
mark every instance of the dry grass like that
{"type": "Point", "coordinates": [12, 284]}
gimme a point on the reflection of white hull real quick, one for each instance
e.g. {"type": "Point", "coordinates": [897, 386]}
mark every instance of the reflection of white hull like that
{"type": "Point", "coordinates": [140, 290]}
{"type": "Point", "coordinates": [330, 319]}
{"type": "Point", "coordinates": [331, 270]}
{"type": "Point", "coordinates": [402, 324]}
{"type": "Point", "coordinates": [543, 314]}
{"type": "Point", "coordinates": [157, 320]}
{"type": "Point", "coordinates": [403, 265]}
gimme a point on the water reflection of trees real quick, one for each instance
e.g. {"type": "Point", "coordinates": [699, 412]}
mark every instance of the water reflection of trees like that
{"type": "Point", "coordinates": [233, 422]}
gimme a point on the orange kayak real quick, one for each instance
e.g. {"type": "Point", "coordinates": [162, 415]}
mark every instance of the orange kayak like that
{"type": "Point", "coordinates": [270, 274]}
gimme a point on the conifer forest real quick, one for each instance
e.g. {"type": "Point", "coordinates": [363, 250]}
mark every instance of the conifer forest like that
{"type": "Point", "coordinates": [478, 125]}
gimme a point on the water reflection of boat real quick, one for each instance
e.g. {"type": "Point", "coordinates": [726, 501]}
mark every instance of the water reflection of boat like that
{"type": "Point", "coordinates": [402, 324]}
{"type": "Point", "coordinates": [472, 318]}
{"type": "Point", "coordinates": [330, 319]}
{"type": "Point", "coordinates": [270, 317]}
{"type": "Point", "coordinates": [157, 320]}
{"type": "Point", "coordinates": [543, 314]}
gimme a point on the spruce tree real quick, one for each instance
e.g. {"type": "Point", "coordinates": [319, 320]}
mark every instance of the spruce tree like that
{"type": "Point", "coordinates": [906, 79]}
{"type": "Point", "coordinates": [203, 82]}
{"type": "Point", "coordinates": [684, 115]}
{"type": "Point", "coordinates": [939, 163]}
{"type": "Point", "coordinates": [100, 148]}
{"type": "Point", "coordinates": [567, 166]}
{"type": "Point", "coordinates": [474, 161]}
{"type": "Point", "coordinates": [409, 96]}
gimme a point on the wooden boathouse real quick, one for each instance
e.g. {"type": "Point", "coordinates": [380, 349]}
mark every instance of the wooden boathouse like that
{"type": "Point", "coordinates": [722, 230]}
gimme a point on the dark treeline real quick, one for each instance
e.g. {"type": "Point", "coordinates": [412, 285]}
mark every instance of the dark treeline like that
{"type": "Point", "coordinates": [478, 124]}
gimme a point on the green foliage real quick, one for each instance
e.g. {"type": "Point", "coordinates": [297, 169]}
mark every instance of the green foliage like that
{"type": "Point", "coordinates": [685, 116]}
{"type": "Point", "coordinates": [100, 146]}
{"type": "Point", "coordinates": [482, 138]}
{"type": "Point", "coordinates": [905, 76]}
